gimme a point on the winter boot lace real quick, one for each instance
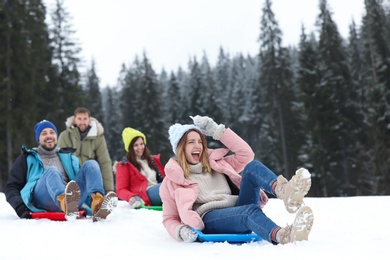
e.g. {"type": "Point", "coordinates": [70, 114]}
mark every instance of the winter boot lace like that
{"type": "Point", "coordinates": [103, 206]}
{"type": "Point", "coordinates": [293, 191]}
{"type": "Point", "coordinates": [69, 200]}
{"type": "Point", "coordinates": [300, 229]}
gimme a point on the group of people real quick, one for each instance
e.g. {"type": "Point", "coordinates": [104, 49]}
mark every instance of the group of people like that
{"type": "Point", "coordinates": [64, 173]}
{"type": "Point", "coordinates": [219, 190]}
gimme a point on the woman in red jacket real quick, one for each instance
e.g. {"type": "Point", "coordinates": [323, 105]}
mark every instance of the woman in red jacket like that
{"type": "Point", "coordinates": [139, 174]}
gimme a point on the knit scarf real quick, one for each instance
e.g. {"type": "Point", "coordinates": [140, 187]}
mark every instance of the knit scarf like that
{"type": "Point", "coordinates": [50, 158]}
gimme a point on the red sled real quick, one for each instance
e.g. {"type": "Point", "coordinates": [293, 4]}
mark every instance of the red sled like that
{"type": "Point", "coordinates": [56, 216]}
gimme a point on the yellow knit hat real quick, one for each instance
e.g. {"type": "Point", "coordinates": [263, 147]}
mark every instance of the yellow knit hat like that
{"type": "Point", "coordinates": [129, 134]}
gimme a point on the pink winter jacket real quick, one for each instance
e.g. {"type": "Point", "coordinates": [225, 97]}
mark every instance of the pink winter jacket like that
{"type": "Point", "coordinates": [179, 194]}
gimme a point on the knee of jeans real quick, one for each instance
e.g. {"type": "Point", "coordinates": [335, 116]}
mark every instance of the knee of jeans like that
{"type": "Point", "coordinates": [254, 164]}
{"type": "Point", "coordinates": [91, 164]}
{"type": "Point", "coordinates": [252, 208]}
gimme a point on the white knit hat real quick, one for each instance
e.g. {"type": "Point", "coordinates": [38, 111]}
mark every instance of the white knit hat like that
{"type": "Point", "coordinates": [177, 131]}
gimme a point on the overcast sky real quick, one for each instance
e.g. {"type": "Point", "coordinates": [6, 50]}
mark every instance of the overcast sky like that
{"type": "Point", "coordinates": [170, 32]}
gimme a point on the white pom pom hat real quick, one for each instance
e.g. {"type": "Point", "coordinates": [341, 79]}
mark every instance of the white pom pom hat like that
{"type": "Point", "coordinates": [177, 131]}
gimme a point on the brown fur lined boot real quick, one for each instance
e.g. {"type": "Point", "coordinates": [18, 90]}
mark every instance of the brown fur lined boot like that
{"type": "Point", "coordinates": [97, 200]}
{"type": "Point", "coordinates": [103, 206]}
{"type": "Point", "coordinates": [69, 200]}
{"type": "Point", "coordinates": [61, 200]}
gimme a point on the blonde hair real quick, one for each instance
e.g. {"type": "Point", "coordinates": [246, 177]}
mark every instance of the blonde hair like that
{"type": "Point", "coordinates": [181, 157]}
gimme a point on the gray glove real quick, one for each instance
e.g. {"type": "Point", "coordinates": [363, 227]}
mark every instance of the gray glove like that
{"type": "Point", "coordinates": [187, 234]}
{"type": "Point", "coordinates": [208, 126]}
{"type": "Point", "coordinates": [136, 202]}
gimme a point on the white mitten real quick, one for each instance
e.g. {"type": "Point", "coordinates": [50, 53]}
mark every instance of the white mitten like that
{"type": "Point", "coordinates": [208, 126]}
{"type": "Point", "coordinates": [187, 234]}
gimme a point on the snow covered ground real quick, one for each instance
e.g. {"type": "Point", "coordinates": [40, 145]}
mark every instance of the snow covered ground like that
{"type": "Point", "coordinates": [344, 228]}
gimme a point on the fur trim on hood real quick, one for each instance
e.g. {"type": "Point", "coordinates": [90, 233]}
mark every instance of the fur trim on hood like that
{"type": "Point", "coordinates": [96, 127]}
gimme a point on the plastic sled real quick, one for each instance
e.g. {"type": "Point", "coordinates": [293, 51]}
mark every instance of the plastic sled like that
{"type": "Point", "coordinates": [57, 216]}
{"type": "Point", "coordinates": [157, 208]}
{"type": "Point", "coordinates": [230, 238]}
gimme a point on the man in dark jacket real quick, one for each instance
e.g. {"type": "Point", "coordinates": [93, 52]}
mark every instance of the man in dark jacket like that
{"type": "Point", "coordinates": [48, 178]}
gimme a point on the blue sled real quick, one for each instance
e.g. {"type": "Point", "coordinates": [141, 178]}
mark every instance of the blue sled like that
{"type": "Point", "coordinates": [230, 238]}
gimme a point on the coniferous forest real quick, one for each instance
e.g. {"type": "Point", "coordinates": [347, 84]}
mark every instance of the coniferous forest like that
{"type": "Point", "coordinates": [323, 104]}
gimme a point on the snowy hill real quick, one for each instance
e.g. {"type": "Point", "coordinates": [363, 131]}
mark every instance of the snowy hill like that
{"type": "Point", "coordinates": [344, 228]}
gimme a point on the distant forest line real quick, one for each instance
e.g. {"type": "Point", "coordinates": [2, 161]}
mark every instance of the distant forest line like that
{"type": "Point", "coordinates": [323, 105]}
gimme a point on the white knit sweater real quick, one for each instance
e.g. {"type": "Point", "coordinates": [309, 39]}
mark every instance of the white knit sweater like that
{"type": "Point", "coordinates": [214, 191]}
{"type": "Point", "coordinates": [149, 173]}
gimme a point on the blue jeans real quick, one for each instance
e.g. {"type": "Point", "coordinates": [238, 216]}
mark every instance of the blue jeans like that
{"type": "Point", "coordinates": [51, 185]}
{"type": "Point", "coordinates": [154, 195]}
{"type": "Point", "coordinates": [246, 216]}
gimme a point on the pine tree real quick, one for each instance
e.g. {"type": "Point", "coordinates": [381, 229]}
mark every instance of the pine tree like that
{"type": "Point", "coordinates": [353, 184]}
{"type": "Point", "coordinates": [270, 40]}
{"type": "Point", "coordinates": [237, 93]}
{"type": "Point", "coordinates": [307, 80]}
{"type": "Point", "coordinates": [66, 58]}
{"type": "Point", "coordinates": [377, 80]}
{"type": "Point", "coordinates": [42, 70]}
{"type": "Point", "coordinates": [25, 63]}
{"type": "Point", "coordinates": [131, 100]}
{"type": "Point", "coordinates": [292, 134]}
{"type": "Point", "coordinates": [334, 141]}
{"type": "Point", "coordinates": [93, 96]}
{"type": "Point", "coordinates": [211, 96]}
{"type": "Point", "coordinates": [163, 79]}
{"type": "Point", "coordinates": [222, 79]}
{"type": "Point", "coordinates": [173, 101]}
{"type": "Point", "coordinates": [195, 91]}
{"type": "Point", "coordinates": [250, 118]}
{"type": "Point", "coordinates": [113, 123]}
{"type": "Point", "coordinates": [183, 79]}
{"type": "Point", "coordinates": [277, 94]}
{"type": "Point", "coordinates": [152, 124]}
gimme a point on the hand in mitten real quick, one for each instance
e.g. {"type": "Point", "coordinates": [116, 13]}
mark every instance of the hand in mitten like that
{"type": "Point", "coordinates": [23, 212]}
{"type": "Point", "coordinates": [187, 234]}
{"type": "Point", "coordinates": [263, 199]}
{"type": "Point", "coordinates": [135, 202]}
{"type": "Point", "coordinates": [208, 126]}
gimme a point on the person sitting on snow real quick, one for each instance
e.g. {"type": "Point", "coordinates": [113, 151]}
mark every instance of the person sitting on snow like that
{"type": "Point", "coordinates": [203, 188]}
{"type": "Point", "coordinates": [139, 174]}
{"type": "Point", "coordinates": [86, 135]}
{"type": "Point", "coordinates": [48, 178]}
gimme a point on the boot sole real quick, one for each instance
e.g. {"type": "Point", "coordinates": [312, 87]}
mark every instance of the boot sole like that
{"type": "Point", "coordinates": [110, 202]}
{"type": "Point", "coordinates": [302, 184]}
{"type": "Point", "coordinates": [302, 225]}
{"type": "Point", "coordinates": [72, 197]}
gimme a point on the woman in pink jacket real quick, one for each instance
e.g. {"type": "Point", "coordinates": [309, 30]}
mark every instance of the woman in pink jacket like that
{"type": "Point", "coordinates": [203, 188]}
{"type": "Point", "coordinates": [139, 174]}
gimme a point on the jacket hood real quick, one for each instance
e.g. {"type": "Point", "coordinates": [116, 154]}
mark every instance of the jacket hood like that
{"type": "Point", "coordinates": [116, 163]}
{"type": "Point", "coordinates": [96, 127]}
{"type": "Point", "coordinates": [175, 173]}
